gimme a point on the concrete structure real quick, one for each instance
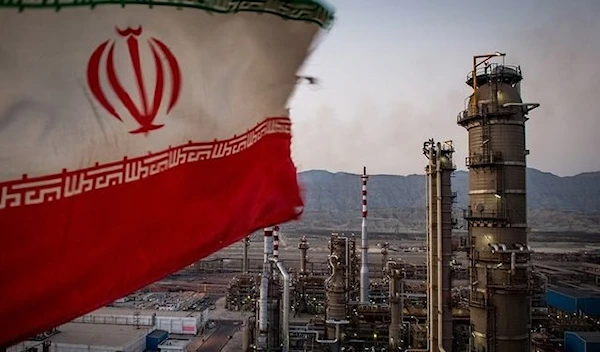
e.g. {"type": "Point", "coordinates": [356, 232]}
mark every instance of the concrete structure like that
{"type": "Point", "coordinates": [439, 241]}
{"type": "Point", "coordinates": [500, 303]}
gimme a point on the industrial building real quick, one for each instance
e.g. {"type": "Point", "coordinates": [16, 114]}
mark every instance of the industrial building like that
{"type": "Point", "coordinates": [85, 337]}
{"type": "Point", "coordinates": [173, 322]}
{"type": "Point", "coordinates": [128, 329]}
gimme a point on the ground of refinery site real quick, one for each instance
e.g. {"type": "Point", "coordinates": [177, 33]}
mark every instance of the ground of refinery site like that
{"type": "Point", "coordinates": [482, 287]}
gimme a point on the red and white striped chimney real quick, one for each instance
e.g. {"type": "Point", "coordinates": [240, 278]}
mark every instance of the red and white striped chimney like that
{"type": "Point", "coordinates": [268, 243]}
{"type": "Point", "coordinates": [364, 267]}
{"type": "Point", "coordinates": [364, 178]}
{"type": "Point", "coordinates": [276, 242]}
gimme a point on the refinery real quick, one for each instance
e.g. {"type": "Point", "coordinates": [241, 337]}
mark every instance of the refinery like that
{"type": "Point", "coordinates": [473, 283]}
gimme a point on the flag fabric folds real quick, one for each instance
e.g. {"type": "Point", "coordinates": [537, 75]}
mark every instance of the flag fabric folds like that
{"type": "Point", "coordinates": [137, 137]}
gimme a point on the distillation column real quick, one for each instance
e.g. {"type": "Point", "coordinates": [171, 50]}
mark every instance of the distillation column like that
{"type": "Point", "coordinates": [335, 284]}
{"type": "Point", "coordinates": [364, 267]}
{"type": "Point", "coordinates": [432, 250]}
{"type": "Point", "coordinates": [303, 247]}
{"type": "Point", "coordinates": [500, 301]}
{"type": "Point", "coordinates": [439, 238]}
{"type": "Point", "coordinates": [393, 272]}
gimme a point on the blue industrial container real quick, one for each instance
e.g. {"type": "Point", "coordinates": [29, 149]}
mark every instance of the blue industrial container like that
{"type": "Point", "coordinates": [574, 301]}
{"type": "Point", "coordinates": [590, 306]}
{"type": "Point", "coordinates": [154, 338]}
{"type": "Point", "coordinates": [562, 299]}
{"type": "Point", "coordinates": [582, 341]}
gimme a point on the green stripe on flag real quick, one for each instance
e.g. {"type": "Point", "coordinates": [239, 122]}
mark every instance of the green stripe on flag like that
{"type": "Point", "coordinates": [298, 10]}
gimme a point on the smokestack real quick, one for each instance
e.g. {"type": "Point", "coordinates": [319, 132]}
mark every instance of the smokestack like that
{"type": "Point", "coordinates": [364, 267]}
{"type": "Point", "coordinates": [268, 252]}
{"type": "Point", "coordinates": [276, 242]}
{"type": "Point", "coordinates": [245, 244]}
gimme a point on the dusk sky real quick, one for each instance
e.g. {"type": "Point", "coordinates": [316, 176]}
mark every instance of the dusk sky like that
{"type": "Point", "coordinates": [392, 75]}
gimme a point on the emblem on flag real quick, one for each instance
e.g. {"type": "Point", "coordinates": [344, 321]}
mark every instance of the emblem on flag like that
{"type": "Point", "coordinates": [92, 185]}
{"type": "Point", "coordinates": [146, 114]}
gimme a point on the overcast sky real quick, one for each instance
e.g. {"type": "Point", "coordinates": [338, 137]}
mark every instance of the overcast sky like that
{"type": "Point", "coordinates": [392, 76]}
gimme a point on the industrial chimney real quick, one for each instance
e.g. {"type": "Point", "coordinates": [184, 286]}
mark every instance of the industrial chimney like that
{"type": "Point", "coordinates": [245, 262]}
{"type": "Point", "coordinates": [364, 267]}
{"type": "Point", "coordinates": [500, 301]}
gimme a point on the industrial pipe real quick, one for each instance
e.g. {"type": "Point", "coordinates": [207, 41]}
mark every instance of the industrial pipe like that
{"type": "Point", "coordinates": [501, 249]}
{"type": "Point", "coordinates": [444, 323]}
{"type": "Point", "coordinates": [285, 326]}
{"type": "Point", "coordinates": [440, 254]}
{"type": "Point", "coordinates": [263, 309]}
{"type": "Point", "coordinates": [513, 262]}
{"type": "Point", "coordinates": [431, 255]}
{"type": "Point", "coordinates": [428, 196]}
{"type": "Point", "coordinates": [246, 333]}
{"type": "Point", "coordinates": [337, 324]}
{"type": "Point", "coordinates": [263, 303]}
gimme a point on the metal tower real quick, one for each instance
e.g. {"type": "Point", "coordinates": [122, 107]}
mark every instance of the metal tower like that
{"type": "Point", "coordinates": [495, 119]}
{"type": "Point", "coordinates": [439, 242]}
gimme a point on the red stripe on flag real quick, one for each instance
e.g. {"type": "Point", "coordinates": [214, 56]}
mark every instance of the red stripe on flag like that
{"type": "Point", "coordinates": [66, 257]}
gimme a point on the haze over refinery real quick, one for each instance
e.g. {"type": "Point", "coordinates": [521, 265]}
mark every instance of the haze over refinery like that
{"type": "Point", "coordinates": [394, 71]}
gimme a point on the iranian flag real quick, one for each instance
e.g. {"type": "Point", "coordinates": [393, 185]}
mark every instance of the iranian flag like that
{"type": "Point", "coordinates": [137, 137]}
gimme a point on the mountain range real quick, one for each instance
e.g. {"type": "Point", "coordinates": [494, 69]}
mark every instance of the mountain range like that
{"type": "Point", "coordinates": [397, 203]}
